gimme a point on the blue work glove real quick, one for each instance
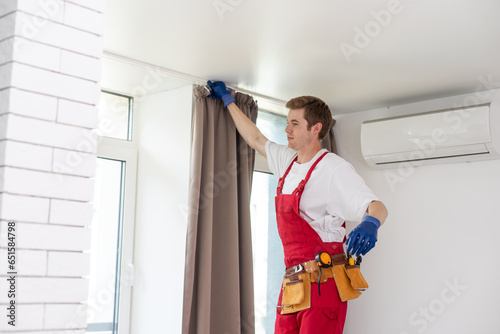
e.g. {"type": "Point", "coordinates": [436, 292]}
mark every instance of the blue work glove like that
{"type": "Point", "coordinates": [364, 236]}
{"type": "Point", "coordinates": [219, 90]}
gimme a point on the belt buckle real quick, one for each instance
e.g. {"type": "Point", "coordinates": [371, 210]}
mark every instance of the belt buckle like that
{"type": "Point", "coordinates": [298, 268]}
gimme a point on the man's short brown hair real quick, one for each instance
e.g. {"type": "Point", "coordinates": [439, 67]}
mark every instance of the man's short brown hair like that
{"type": "Point", "coordinates": [315, 111]}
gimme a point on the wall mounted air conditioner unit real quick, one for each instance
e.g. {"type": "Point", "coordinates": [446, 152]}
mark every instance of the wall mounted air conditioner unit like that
{"type": "Point", "coordinates": [452, 135]}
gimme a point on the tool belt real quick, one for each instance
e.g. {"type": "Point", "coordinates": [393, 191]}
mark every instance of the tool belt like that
{"type": "Point", "coordinates": [297, 281]}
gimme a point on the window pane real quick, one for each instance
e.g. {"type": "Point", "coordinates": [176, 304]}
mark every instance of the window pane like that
{"type": "Point", "coordinates": [105, 248]}
{"type": "Point", "coordinates": [115, 115]}
{"type": "Point", "coordinates": [272, 126]}
{"type": "Point", "coordinates": [267, 251]}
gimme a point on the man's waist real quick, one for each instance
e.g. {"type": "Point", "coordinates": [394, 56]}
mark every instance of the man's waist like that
{"type": "Point", "coordinates": [336, 230]}
{"type": "Point", "coordinates": [312, 266]}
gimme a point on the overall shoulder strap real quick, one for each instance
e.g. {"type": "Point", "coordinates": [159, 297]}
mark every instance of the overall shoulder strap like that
{"type": "Point", "coordinates": [282, 179]}
{"type": "Point", "coordinates": [314, 165]}
{"type": "Point", "coordinates": [302, 183]}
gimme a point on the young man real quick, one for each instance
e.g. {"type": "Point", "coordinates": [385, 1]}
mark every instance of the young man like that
{"type": "Point", "coordinates": [317, 192]}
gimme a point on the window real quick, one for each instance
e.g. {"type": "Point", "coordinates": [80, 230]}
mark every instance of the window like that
{"type": "Point", "coordinates": [107, 224]}
{"type": "Point", "coordinates": [115, 113]}
{"type": "Point", "coordinates": [267, 249]}
{"type": "Point", "coordinates": [272, 126]}
{"type": "Point", "coordinates": [112, 270]}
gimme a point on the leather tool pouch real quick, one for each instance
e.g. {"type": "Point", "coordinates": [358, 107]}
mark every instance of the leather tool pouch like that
{"type": "Point", "coordinates": [358, 282]}
{"type": "Point", "coordinates": [349, 280]}
{"type": "Point", "coordinates": [296, 294]}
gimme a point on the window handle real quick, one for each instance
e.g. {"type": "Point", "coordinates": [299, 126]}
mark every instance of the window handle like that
{"type": "Point", "coordinates": [131, 270]}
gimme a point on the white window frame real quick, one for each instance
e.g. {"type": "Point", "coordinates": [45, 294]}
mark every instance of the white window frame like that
{"type": "Point", "coordinates": [126, 151]}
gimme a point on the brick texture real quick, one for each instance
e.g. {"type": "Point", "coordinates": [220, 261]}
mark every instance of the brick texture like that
{"type": "Point", "coordinates": [50, 68]}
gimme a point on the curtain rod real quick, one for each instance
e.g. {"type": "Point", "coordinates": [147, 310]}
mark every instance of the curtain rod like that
{"type": "Point", "coordinates": [184, 76]}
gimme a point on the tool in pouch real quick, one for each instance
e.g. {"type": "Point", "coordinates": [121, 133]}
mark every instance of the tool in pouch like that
{"type": "Point", "coordinates": [296, 293]}
{"type": "Point", "coordinates": [344, 269]}
{"type": "Point", "coordinates": [323, 260]}
{"type": "Point", "coordinates": [348, 278]}
{"type": "Point", "coordinates": [346, 273]}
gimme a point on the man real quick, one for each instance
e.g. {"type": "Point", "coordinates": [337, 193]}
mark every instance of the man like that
{"type": "Point", "coordinates": [317, 192]}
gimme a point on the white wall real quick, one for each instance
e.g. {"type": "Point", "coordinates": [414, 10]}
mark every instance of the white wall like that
{"type": "Point", "coordinates": [164, 132]}
{"type": "Point", "coordinates": [442, 230]}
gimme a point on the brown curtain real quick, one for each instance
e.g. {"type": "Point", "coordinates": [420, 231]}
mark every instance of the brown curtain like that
{"type": "Point", "coordinates": [329, 141]}
{"type": "Point", "coordinates": [218, 285]}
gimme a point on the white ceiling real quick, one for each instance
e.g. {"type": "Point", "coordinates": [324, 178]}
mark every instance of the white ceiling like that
{"type": "Point", "coordinates": [286, 48]}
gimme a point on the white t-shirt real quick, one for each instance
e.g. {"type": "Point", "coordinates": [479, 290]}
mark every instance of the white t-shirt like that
{"type": "Point", "coordinates": [334, 193]}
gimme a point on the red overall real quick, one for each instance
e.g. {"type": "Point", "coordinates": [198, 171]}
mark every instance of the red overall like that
{"type": "Point", "coordinates": [301, 243]}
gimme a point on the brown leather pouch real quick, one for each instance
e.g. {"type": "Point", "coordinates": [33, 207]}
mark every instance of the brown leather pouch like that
{"type": "Point", "coordinates": [358, 282]}
{"type": "Point", "coordinates": [350, 282]}
{"type": "Point", "coordinates": [296, 294]}
{"type": "Point", "coordinates": [344, 287]}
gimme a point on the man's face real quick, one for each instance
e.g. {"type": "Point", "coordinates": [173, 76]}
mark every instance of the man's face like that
{"type": "Point", "coordinates": [296, 130]}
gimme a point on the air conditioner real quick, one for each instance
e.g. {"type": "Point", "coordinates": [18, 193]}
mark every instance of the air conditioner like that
{"type": "Point", "coordinates": [452, 135]}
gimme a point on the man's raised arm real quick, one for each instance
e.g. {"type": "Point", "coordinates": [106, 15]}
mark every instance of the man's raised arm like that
{"type": "Point", "coordinates": [247, 129]}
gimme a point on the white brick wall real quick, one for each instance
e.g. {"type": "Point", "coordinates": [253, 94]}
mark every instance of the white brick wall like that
{"type": "Point", "coordinates": [30, 27]}
{"type": "Point", "coordinates": [51, 9]}
{"type": "Point", "coordinates": [34, 53]}
{"type": "Point", "coordinates": [24, 155]}
{"type": "Point", "coordinates": [49, 236]}
{"type": "Point", "coordinates": [7, 47]}
{"type": "Point", "coordinates": [32, 312]}
{"type": "Point", "coordinates": [7, 7]}
{"type": "Point", "coordinates": [51, 83]}
{"type": "Point", "coordinates": [53, 134]}
{"type": "Point", "coordinates": [4, 101]}
{"type": "Point", "coordinates": [83, 18]}
{"type": "Point", "coordinates": [75, 264]}
{"type": "Point", "coordinates": [33, 183]}
{"type": "Point", "coordinates": [70, 212]}
{"type": "Point", "coordinates": [97, 5]}
{"type": "Point", "coordinates": [50, 66]}
{"type": "Point", "coordinates": [5, 74]}
{"type": "Point", "coordinates": [65, 316]}
{"type": "Point", "coordinates": [38, 208]}
{"type": "Point", "coordinates": [48, 290]}
{"type": "Point", "coordinates": [75, 113]}
{"type": "Point", "coordinates": [30, 104]}
{"type": "Point", "coordinates": [7, 26]}
{"type": "Point", "coordinates": [74, 163]}
{"type": "Point", "coordinates": [29, 262]}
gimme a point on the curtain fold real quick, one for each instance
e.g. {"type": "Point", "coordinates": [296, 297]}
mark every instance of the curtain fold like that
{"type": "Point", "coordinates": [329, 141]}
{"type": "Point", "coordinates": [218, 285]}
